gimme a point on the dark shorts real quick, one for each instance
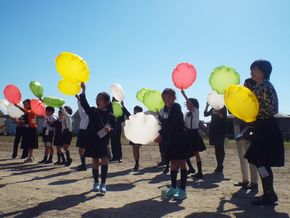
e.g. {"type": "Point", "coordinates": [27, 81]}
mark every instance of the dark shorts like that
{"type": "Point", "coordinates": [48, 137]}
{"type": "Point", "coordinates": [66, 137]}
{"type": "Point", "coordinates": [82, 140]}
{"type": "Point", "coordinates": [30, 138]}
{"type": "Point", "coordinates": [58, 142]}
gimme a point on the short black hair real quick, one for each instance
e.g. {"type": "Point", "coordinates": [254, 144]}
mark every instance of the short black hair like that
{"type": "Point", "coordinates": [195, 103]}
{"type": "Point", "coordinates": [168, 91]}
{"type": "Point", "coordinates": [68, 110]}
{"type": "Point", "coordinates": [138, 109]}
{"type": "Point", "coordinates": [264, 66]}
{"type": "Point", "coordinates": [49, 109]}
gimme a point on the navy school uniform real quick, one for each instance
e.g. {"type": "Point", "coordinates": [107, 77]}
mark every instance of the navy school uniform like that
{"type": "Point", "coordinates": [191, 122]}
{"type": "Point", "coordinates": [217, 127]}
{"type": "Point", "coordinates": [174, 138]}
{"type": "Point", "coordinates": [97, 147]}
{"type": "Point", "coordinates": [57, 133]}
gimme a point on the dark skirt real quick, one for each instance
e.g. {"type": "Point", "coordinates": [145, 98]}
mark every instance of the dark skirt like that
{"type": "Point", "coordinates": [196, 140]}
{"type": "Point", "coordinates": [178, 149]}
{"type": "Point", "coordinates": [66, 136]}
{"type": "Point", "coordinates": [216, 136]}
{"type": "Point", "coordinates": [267, 148]}
{"type": "Point", "coordinates": [97, 151]}
{"type": "Point", "coordinates": [30, 138]}
{"type": "Point", "coordinates": [82, 140]}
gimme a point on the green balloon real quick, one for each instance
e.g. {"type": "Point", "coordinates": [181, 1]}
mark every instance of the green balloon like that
{"type": "Point", "coordinates": [53, 102]}
{"type": "Point", "coordinates": [140, 94]}
{"type": "Point", "coordinates": [117, 109]}
{"type": "Point", "coordinates": [223, 76]}
{"type": "Point", "coordinates": [153, 101]}
{"type": "Point", "coordinates": [36, 89]}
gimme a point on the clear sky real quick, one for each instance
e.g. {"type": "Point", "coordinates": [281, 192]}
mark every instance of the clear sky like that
{"type": "Point", "coordinates": [138, 43]}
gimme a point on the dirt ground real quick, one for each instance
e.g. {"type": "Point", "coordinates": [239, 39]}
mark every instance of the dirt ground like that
{"type": "Point", "coordinates": [35, 190]}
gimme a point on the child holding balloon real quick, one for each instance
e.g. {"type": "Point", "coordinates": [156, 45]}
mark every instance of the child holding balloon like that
{"type": "Point", "coordinates": [176, 143]}
{"type": "Point", "coordinates": [136, 147]}
{"type": "Point", "coordinates": [82, 140]}
{"type": "Point", "coordinates": [217, 133]}
{"type": "Point", "coordinates": [101, 121]}
{"type": "Point", "coordinates": [30, 138]}
{"type": "Point", "coordinates": [267, 148]}
{"type": "Point", "coordinates": [66, 132]}
{"type": "Point", "coordinates": [192, 123]}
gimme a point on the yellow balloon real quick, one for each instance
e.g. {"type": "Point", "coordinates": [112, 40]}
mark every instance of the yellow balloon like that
{"type": "Point", "coordinates": [68, 87]}
{"type": "Point", "coordinates": [241, 102]}
{"type": "Point", "coordinates": [72, 67]}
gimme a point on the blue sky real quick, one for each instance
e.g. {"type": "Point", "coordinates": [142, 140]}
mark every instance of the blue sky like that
{"type": "Point", "coordinates": [138, 43]}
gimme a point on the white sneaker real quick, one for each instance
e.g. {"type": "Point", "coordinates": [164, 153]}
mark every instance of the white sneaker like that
{"type": "Point", "coordinates": [96, 187]}
{"type": "Point", "coordinates": [103, 189]}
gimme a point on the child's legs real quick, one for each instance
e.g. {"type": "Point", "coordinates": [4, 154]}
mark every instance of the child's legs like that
{"type": "Point", "coordinates": [136, 152]}
{"type": "Point", "coordinates": [66, 147]}
{"type": "Point", "coordinates": [197, 156]}
{"type": "Point", "coordinates": [95, 163]}
{"type": "Point", "coordinates": [58, 149]}
{"type": "Point", "coordinates": [30, 153]}
{"type": "Point", "coordinates": [81, 151]}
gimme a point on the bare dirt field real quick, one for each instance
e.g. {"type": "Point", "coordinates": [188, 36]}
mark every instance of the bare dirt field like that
{"type": "Point", "coordinates": [35, 190]}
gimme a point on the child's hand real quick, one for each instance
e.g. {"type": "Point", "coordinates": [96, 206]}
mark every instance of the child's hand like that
{"type": "Point", "coordinates": [158, 139]}
{"type": "Point", "coordinates": [83, 86]}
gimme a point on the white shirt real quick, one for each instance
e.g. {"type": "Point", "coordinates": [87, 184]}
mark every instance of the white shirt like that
{"type": "Point", "coordinates": [67, 121]}
{"type": "Point", "coordinates": [84, 117]}
{"type": "Point", "coordinates": [191, 119]}
{"type": "Point", "coordinates": [49, 119]}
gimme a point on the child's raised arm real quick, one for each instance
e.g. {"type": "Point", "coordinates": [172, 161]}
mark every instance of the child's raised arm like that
{"type": "Point", "coordinates": [84, 103]}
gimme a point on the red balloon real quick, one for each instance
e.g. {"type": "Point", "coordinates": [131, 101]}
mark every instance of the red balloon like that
{"type": "Point", "coordinates": [12, 94]}
{"type": "Point", "coordinates": [184, 75]}
{"type": "Point", "coordinates": [37, 107]}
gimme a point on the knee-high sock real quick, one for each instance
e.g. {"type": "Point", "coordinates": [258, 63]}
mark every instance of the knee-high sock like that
{"type": "Point", "coordinates": [183, 179]}
{"type": "Point", "coordinates": [173, 175]}
{"type": "Point", "coordinates": [104, 172]}
{"type": "Point", "coordinates": [95, 175]}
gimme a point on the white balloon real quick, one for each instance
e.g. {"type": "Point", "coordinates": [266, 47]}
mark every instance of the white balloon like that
{"type": "Point", "coordinates": [142, 128]}
{"type": "Point", "coordinates": [118, 92]}
{"type": "Point", "coordinates": [13, 111]}
{"type": "Point", "coordinates": [215, 100]}
{"type": "Point", "coordinates": [4, 104]}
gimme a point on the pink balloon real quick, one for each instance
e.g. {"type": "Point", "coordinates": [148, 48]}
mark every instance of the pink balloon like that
{"type": "Point", "coordinates": [12, 94]}
{"type": "Point", "coordinates": [184, 75]}
{"type": "Point", "coordinates": [37, 107]}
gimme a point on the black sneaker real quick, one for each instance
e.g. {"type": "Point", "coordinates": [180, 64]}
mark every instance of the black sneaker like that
{"type": "Point", "coordinates": [68, 162]}
{"type": "Point", "coordinates": [42, 161]}
{"type": "Point", "coordinates": [136, 168]}
{"type": "Point", "coordinates": [252, 186]}
{"type": "Point", "coordinates": [48, 162]}
{"type": "Point", "coordinates": [265, 200]}
{"type": "Point", "coordinates": [191, 171]}
{"type": "Point", "coordinates": [81, 168]}
{"type": "Point", "coordinates": [57, 162]}
{"type": "Point", "coordinates": [197, 176]}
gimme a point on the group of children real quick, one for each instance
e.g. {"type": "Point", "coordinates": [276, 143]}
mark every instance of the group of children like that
{"type": "Point", "coordinates": [179, 137]}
